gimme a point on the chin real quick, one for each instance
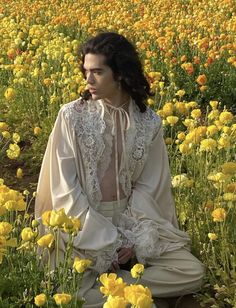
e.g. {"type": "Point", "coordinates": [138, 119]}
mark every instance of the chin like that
{"type": "Point", "coordinates": [96, 97]}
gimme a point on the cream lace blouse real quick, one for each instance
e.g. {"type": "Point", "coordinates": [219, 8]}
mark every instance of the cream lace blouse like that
{"type": "Point", "coordinates": [100, 153]}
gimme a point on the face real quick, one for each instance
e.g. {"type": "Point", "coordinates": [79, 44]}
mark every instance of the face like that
{"type": "Point", "coordinates": [99, 77]}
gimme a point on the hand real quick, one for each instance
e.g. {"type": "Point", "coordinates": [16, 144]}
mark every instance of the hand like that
{"type": "Point", "coordinates": [125, 254]}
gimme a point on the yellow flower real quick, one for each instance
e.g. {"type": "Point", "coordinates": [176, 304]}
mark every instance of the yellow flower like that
{"type": "Point", "coordinates": [181, 180]}
{"type": "Point", "coordinates": [180, 93]}
{"type": "Point", "coordinates": [138, 295]}
{"type": "Point", "coordinates": [218, 177]}
{"type": "Point", "coordinates": [19, 173]}
{"type": "Point", "coordinates": [80, 265]}
{"type": "Point", "coordinates": [16, 137]}
{"type": "Point", "coordinates": [172, 120]}
{"type": "Point", "coordinates": [214, 104]}
{"type": "Point", "coordinates": [58, 218]}
{"type": "Point", "coordinates": [212, 130]}
{"type": "Point", "coordinates": [112, 285]}
{"type": "Point", "coordinates": [115, 302]}
{"type": "Point", "coordinates": [3, 126]}
{"type": "Point", "coordinates": [168, 140]}
{"type": "Point", "coordinates": [181, 136]}
{"type": "Point", "coordinates": [212, 236]}
{"type": "Point", "coordinates": [229, 168]}
{"type": "Point", "coordinates": [62, 299]}
{"type": "Point", "coordinates": [5, 228]}
{"type": "Point", "coordinates": [185, 148]}
{"type": "Point", "coordinates": [40, 300]}
{"type": "Point", "coordinates": [168, 109]}
{"type": "Point", "coordinates": [10, 94]}
{"type": "Point", "coordinates": [14, 151]}
{"type": "Point", "coordinates": [46, 218]}
{"type": "Point", "coordinates": [214, 114]}
{"type": "Point", "coordinates": [37, 131]}
{"type": "Point", "coordinates": [224, 142]}
{"type": "Point", "coordinates": [218, 214]}
{"type": "Point", "coordinates": [229, 197]}
{"type": "Point", "coordinates": [46, 240]}
{"type": "Point", "coordinates": [196, 113]}
{"type": "Point", "coordinates": [201, 80]}
{"type": "Point", "coordinates": [181, 107]}
{"type": "Point", "coordinates": [11, 205]}
{"type": "Point", "coordinates": [208, 145]}
{"type": "Point", "coordinates": [6, 135]}
{"type": "Point", "coordinates": [72, 225]}
{"type": "Point", "coordinates": [137, 270]}
{"type": "Point", "coordinates": [226, 117]}
{"type": "Point", "coordinates": [27, 234]}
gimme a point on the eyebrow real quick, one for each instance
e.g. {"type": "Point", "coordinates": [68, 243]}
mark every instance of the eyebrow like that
{"type": "Point", "coordinates": [94, 69]}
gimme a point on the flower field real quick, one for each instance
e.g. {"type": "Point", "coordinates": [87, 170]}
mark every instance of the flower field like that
{"type": "Point", "coordinates": [188, 49]}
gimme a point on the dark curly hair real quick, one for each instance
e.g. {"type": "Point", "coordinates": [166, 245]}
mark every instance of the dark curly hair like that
{"type": "Point", "coordinates": [122, 57]}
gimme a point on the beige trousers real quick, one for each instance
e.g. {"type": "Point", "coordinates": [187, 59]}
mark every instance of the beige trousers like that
{"type": "Point", "coordinates": [174, 273]}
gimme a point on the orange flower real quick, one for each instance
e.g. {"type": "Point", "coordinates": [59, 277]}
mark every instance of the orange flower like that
{"type": "Point", "coordinates": [201, 80]}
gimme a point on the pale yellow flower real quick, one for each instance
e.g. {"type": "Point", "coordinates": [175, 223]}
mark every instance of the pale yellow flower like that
{"type": "Point", "coordinates": [138, 295]}
{"type": "Point", "coordinates": [212, 236]}
{"type": "Point", "coordinates": [80, 265]}
{"type": "Point", "coordinates": [137, 270]}
{"type": "Point", "coordinates": [58, 218]}
{"type": "Point", "coordinates": [40, 300]}
{"type": "Point", "coordinates": [226, 117]}
{"type": "Point", "coordinates": [19, 173]}
{"type": "Point", "coordinates": [112, 285]}
{"type": "Point", "coordinates": [10, 94]}
{"type": "Point", "coordinates": [27, 234]}
{"type": "Point", "coordinates": [46, 240]}
{"type": "Point", "coordinates": [62, 299]}
{"type": "Point", "coordinates": [208, 145]}
{"type": "Point", "coordinates": [5, 228]}
{"type": "Point", "coordinates": [115, 302]}
{"type": "Point", "coordinates": [172, 120]}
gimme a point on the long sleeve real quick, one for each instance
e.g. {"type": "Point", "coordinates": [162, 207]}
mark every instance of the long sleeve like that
{"type": "Point", "coordinates": [150, 221]}
{"type": "Point", "coordinates": [61, 186]}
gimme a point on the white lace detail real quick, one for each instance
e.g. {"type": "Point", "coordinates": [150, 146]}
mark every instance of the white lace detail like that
{"type": "Point", "coordinates": [95, 141]}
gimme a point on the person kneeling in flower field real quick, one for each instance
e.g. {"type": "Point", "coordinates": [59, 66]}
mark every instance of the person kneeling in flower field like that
{"type": "Point", "coordinates": [106, 164]}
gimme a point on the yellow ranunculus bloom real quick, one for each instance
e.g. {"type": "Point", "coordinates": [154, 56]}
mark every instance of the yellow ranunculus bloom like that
{"type": "Point", "coordinates": [229, 168]}
{"type": "Point", "coordinates": [229, 197]}
{"type": "Point", "coordinates": [115, 302]}
{"type": "Point", "coordinates": [196, 113]}
{"type": "Point", "coordinates": [27, 234]}
{"type": "Point", "coordinates": [46, 218]}
{"type": "Point", "coordinates": [224, 142]}
{"type": "Point", "coordinates": [6, 134]}
{"type": "Point", "coordinates": [80, 265]}
{"type": "Point", "coordinates": [172, 120]}
{"type": "Point", "coordinates": [137, 270]}
{"type": "Point", "coordinates": [112, 285]}
{"type": "Point", "coordinates": [19, 173]}
{"type": "Point", "coordinates": [58, 218]}
{"type": "Point", "coordinates": [16, 137]}
{"type": "Point", "coordinates": [11, 205]}
{"type": "Point", "coordinates": [208, 145]}
{"type": "Point", "coordinates": [10, 94]}
{"type": "Point", "coordinates": [212, 130]}
{"type": "Point", "coordinates": [37, 131]}
{"type": "Point", "coordinates": [214, 104]}
{"type": "Point", "coordinates": [226, 117]}
{"type": "Point", "coordinates": [180, 93]}
{"type": "Point", "coordinates": [40, 300]}
{"type": "Point", "coordinates": [138, 296]}
{"type": "Point", "coordinates": [5, 228]}
{"type": "Point", "coordinates": [46, 240]}
{"type": "Point", "coordinates": [212, 236]}
{"type": "Point", "coordinates": [185, 148]}
{"type": "Point", "coordinates": [13, 151]}
{"type": "Point", "coordinates": [62, 299]}
{"type": "Point", "coordinates": [168, 109]}
{"type": "Point", "coordinates": [219, 215]}
{"type": "Point", "coordinates": [72, 225]}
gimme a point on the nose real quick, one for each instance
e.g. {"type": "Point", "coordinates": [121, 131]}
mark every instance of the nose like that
{"type": "Point", "coordinates": [90, 78]}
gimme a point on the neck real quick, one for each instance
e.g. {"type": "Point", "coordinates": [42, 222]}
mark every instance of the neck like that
{"type": "Point", "coordinates": [118, 101]}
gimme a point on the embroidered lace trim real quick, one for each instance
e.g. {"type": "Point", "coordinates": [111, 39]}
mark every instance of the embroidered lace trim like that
{"type": "Point", "coordinates": [95, 142]}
